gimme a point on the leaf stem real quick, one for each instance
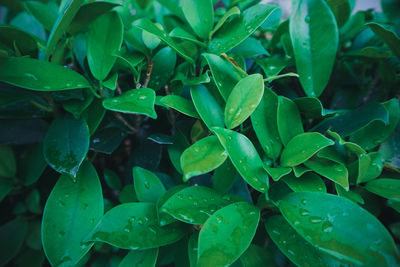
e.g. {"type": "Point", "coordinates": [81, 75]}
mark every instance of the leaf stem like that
{"type": "Point", "coordinates": [125, 122]}
{"type": "Point", "coordinates": [38, 105]}
{"type": "Point", "coordinates": [234, 64]}
{"type": "Point", "coordinates": [148, 73]}
{"type": "Point", "coordinates": [290, 74]}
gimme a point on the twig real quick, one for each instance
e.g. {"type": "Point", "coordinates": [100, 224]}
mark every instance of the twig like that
{"type": "Point", "coordinates": [290, 74]}
{"type": "Point", "coordinates": [125, 122]}
{"type": "Point", "coordinates": [38, 105]}
{"type": "Point", "coordinates": [234, 64]}
{"type": "Point", "coordinates": [148, 73]}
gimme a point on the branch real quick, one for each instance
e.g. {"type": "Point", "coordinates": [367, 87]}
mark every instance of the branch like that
{"type": "Point", "coordinates": [125, 122]}
{"type": "Point", "coordinates": [148, 73]}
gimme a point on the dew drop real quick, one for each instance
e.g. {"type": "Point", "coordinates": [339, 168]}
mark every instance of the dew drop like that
{"type": "Point", "coordinates": [327, 227]}
{"type": "Point", "coordinates": [142, 97]}
{"type": "Point", "coordinates": [307, 19]}
{"type": "Point", "coordinates": [32, 76]}
{"type": "Point", "coordinates": [315, 219]}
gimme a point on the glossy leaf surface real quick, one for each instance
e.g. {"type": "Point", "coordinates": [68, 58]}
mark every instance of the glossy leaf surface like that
{"type": "Point", "coordinates": [388, 36]}
{"type": "Point", "coordinates": [318, 218]}
{"type": "Point", "coordinates": [200, 15]}
{"type": "Point", "coordinates": [194, 204]}
{"type": "Point", "coordinates": [137, 258]}
{"type": "Point", "coordinates": [203, 156]}
{"type": "Point", "coordinates": [307, 182]}
{"type": "Point", "coordinates": [72, 211]}
{"type": "Point", "coordinates": [243, 100]}
{"type": "Point", "coordinates": [227, 234]}
{"type": "Point", "coordinates": [244, 157]}
{"type": "Point", "coordinates": [337, 172]}
{"type": "Point", "coordinates": [241, 27]}
{"type": "Point", "coordinates": [140, 101]}
{"type": "Point", "coordinates": [135, 226]}
{"type": "Point", "coordinates": [39, 75]}
{"type": "Point", "coordinates": [104, 40]}
{"type": "Point", "coordinates": [289, 120]}
{"type": "Point", "coordinates": [180, 104]}
{"type": "Point", "coordinates": [385, 187]}
{"type": "Point", "coordinates": [66, 144]}
{"type": "Point", "coordinates": [148, 186]}
{"type": "Point", "coordinates": [315, 39]}
{"type": "Point", "coordinates": [302, 147]}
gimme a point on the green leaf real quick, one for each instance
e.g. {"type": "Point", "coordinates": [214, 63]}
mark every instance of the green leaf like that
{"type": "Point", "coordinates": [231, 12]}
{"type": "Point", "coordinates": [302, 147]}
{"type": "Point", "coordinates": [373, 169]}
{"type": "Point", "coordinates": [251, 47]}
{"type": "Point", "coordinates": [244, 157]}
{"type": "Point", "coordinates": [277, 172]}
{"type": "Point", "coordinates": [295, 247]}
{"type": "Point", "coordinates": [147, 25]}
{"type": "Point", "coordinates": [72, 211]}
{"type": "Point", "coordinates": [311, 107]}
{"type": "Point", "coordinates": [127, 194]}
{"type": "Point", "coordinates": [135, 226]}
{"type": "Point", "coordinates": [137, 258]}
{"type": "Point", "coordinates": [315, 39]}
{"type": "Point", "coordinates": [227, 234]}
{"type": "Point", "coordinates": [194, 204]}
{"type": "Point", "coordinates": [385, 187]}
{"type": "Point", "coordinates": [270, 65]}
{"type": "Point", "coordinates": [13, 235]}
{"type": "Point", "coordinates": [233, 33]}
{"type": "Point", "coordinates": [112, 179]}
{"type": "Point", "coordinates": [200, 15]}
{"type": "Point", "coordinates": [257, 256]}
{"type": "Point", "coordinates": [307, 182]}
{"type": "Point", "coordinates": [148, 186]}
{"type": "Point", "coordinates": [8, 165]}
{"type": "Point", "coordinates": [289, 120]}
{"type": "Point", "coordinates": [193, 248]}
{"type": "Point", "coordinates": [208, 106]}
{"type": "Point", "coordinates": [135, 101]}
{"type": "Point", "coordinates": [18, 40]}
{"type": "Point", "coordinates": [61, 25]}
{"type": "Point", "coordinates": [39, 75]}
{"type": "Point", "coordinates": [104, 40]}
{"type": "Point", "coordinates": [243, 100]}
{"type": "Point", "coordinates": [66, 144]}
{"type": "Point", "coordinates": [391, 39]}
{"type": "Point", "coordinates": [178, 32]}
{"type": "Point", "coordinates": [341, 9]}
{"type": "Point", "coordinates": [6, 185]}
{"type": "Point", "coordinates": [176, 149]}
{"type": "Point", "coordinates": [351, 195]}
{"type": "Point", "coordinates": [180, 104]}
{"type": "Point", "coordinates": [46, 14]}
{"type": "Point", "coordinates": [164, 218]}
{"type": "Point", "coordinates": [163, 68]}
{"type": "Point", "coordinates": [224, 74]}
{"type": "Point", "coordinates": [224, 177]}
{"type": "Point", "coordinates": [323, 218]}
{"type": "Point", "coordinates": [202, 157]}
{"type": "Point", "coordinates": [334, 171]}
{"type": "Point", "coordinates": [264, 121]}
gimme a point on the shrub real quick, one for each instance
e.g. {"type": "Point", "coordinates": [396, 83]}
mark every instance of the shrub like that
{"type": "Point", "coordinates": [199, 133]}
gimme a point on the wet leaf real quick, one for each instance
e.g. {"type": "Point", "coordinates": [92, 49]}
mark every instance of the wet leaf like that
{"type": "Point", "coordinates": [385, 187]}
{"type": "Point", "coordinates": [148, 186]}
{"type": "Point", "coordinates": [135, 226]}
{"type": "Point", "coordinates": [135, 101]}
{"type": "Point", "coordinates": [323, 218]}
{"type": "Point", "coordinates": [243, 100]}
{"type": "Point", "coordinates": [307, 182]}
{"type": "Point", "coordinates": [66, 144]}
{"type": "Point", "coordinates": [194, 204]}
{"type": "Point", "coordinates": [334, 171]}
{"type": "Point", "coordinates": [224, 177]}
{"type": "Point", "coordinates": [180, 104]}
{"type": "Point", "coordinates": [244, 157]}
{"type": "Point", "coordinates": [231, 12]}
{"type": "Point", "coordinates": [137, 258]}
{"type": "Point", "coordinates": [289, 120]}
{"type": "Point", "coordinates": [233, 33]}
{"type": "Point", "coordinates": [104, 40]}
{"type": "Point", "coordinates": [164, 66]}
{"type": "Point", "coordinates": [202, 157]}
{"type": "Point", "coordinates": [227, 234]}
{"type": "Point", "coordinates": [302, 147]}
{"type": "Point", "coordinates": [315, 39]}
{"type": "Point", "coordinates": [200, 16]}
{"type": "Point", "coordinates": [39, 75]}
{"type": "Point", "coordinates": [72, 211]}
{"type": "Point", "coordinates": [277, 172]}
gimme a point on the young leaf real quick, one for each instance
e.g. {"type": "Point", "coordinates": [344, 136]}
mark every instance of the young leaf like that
{"type": "Point", "coordinates": [244, 157]}
{"type": "Point", "coordinates": [137, 258]}
{"type": "Point", "coordinates": [194, 204]}
{"type": "Point", "coordinates": [136, 101]}
{"type": "Point", "coordinates": [202, 157]}
{"type": "Point", "coordinates": [243, 100]}
{"type": "Point", "coordinates": [66, 144]}
{"type": "Point", "coordinates": [227, 234]}
{"type": "Point", "coordinates": [39, 75]}
{"type": "Point", "coordinates": [233, 33]}
{"type": "Point", "coordinates": [135, 226]}
{"type": "Point", "coordinates": [264, 121]}
{"type": "Point", "coordinates": [72, 211]}
{"type": "Point", "coordinates": [315, 40]}
{"type": "Point", "coordinates": [200, 15]}
{"type": "Point", "coordinates": [323, 218]}
{"type": "Point", "coordinates": [180, 104]}
{"type": "Point", "coordinates": [104, 40]}
{"type": "Point", "coordinates": [302, 147]}
{"type": "Point", "coordinates": [208, 106]}
{"type": "Point", "coordinates": [289, 120]}
{"type": "Point", "coordinates": [148, 186]}
{"type": "Point", "coordinates": [224, 74]}
{"type": "Point", "coordinates": [307, 182]}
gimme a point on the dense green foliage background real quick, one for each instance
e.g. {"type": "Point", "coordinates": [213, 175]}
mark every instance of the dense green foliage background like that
{"type": "Point", "coordinates": [199, 133]}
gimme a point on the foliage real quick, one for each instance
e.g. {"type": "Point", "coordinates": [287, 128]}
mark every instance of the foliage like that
{"type": "Point", "coordinates": [199, 133]}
